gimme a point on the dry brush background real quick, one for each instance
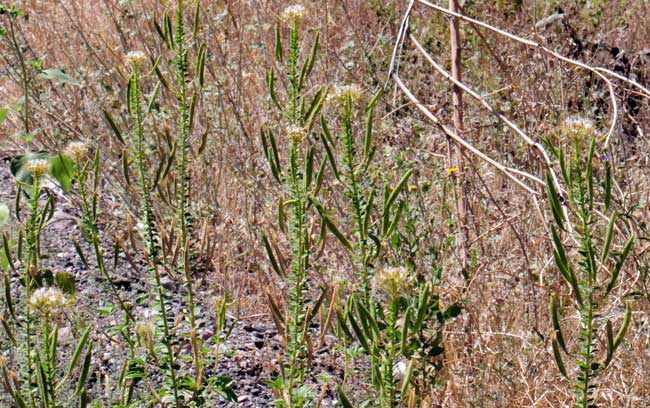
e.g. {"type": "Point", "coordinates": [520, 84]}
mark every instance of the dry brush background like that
{"type": "Point", "coordinates": [498, 351]}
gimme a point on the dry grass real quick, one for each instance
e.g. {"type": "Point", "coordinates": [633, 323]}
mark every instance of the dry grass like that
{"type": "Point", "coordinates": [498, 352]}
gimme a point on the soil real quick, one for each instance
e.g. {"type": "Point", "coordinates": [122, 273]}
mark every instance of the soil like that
{"type": "Point", "coordinates": [249, 356]}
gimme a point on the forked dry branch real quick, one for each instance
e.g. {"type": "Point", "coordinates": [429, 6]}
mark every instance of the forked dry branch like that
{"type": "Point", "coordinates": [600, 72]}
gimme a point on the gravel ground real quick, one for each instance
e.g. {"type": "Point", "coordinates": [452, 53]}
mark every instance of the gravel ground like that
{"type": "Point", "coordinates": [249, 355]}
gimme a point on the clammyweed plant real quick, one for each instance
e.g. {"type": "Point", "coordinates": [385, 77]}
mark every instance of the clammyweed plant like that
{"type": "Point", "coordinates": [400, 327]}
{"type": "Point", "coordinates": [592, 269]}
{"type": "Point", "coordinates": [167, 364]}
{"type": "Point", "coordinates": [185, 385]}
{"type": "Point", "coordinates": [84, 168]}
{"type": "Point", "coordinates": [393, 312]}
{"type": "Point", "coordinates": [295, 172]}
{"type": "Point", "coordinates": [183, 177]}
{"type": "Point", "coordinates": [34, 374]}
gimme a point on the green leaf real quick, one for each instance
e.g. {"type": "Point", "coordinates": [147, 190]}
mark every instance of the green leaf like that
{"type": "Point", "coordinates": [4, 213]}
{"type": "Point", "coordinates": [278, 43]}
{"type": "Point", "coordinates": [619, 264]}
{"type": "Point", "coordinates": [200, 65]}
{"type": "Point", "coordinates": [557, 355]}
{"type": "Point", "coordinates": [555, 321]}
{"type": "Point", "coordinates": [77, 353]}
{"type": "Point", "coordinates": [113, 125]}
{"type": "Point", "coordinates": [62, 169]}
{"type": "Point", "coordinates": [610, 343]}
{"type": "Point", "coordinates": [453, 310]}
{"type": "Point", "coordinates": [407, 378]}
{"type": "Point", "coordinates": [608, 185]}
{"type": "Point", "coordinates": [398, 188]}
{"type": "Point", "coordinates": [608, 238]}
{"type": "Point", "coordinates": [3, 114]}
{"type": "Point", "coordinates": [58, 75]}
{"type": "Point", "coordinates": [81, 383]}
{"type": "Point", "coordinates": [626, 323]}
{"type": "Point", "coordinates": [272, 259]}
{"type": "Point", "coordinates": [553, 197]}
{"type": "Point", "coordinates": [334, 229]}
{"type": "Point", "coordinates": [66, 282]}
{"type": "Point", "coordinates": [152, 98]}
{"type": "Point", "coordinates": [345, 402]}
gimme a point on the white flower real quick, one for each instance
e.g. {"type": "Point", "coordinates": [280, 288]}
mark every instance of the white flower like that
{"type": "Point", "coordinates": [341, 93]}
{"type": "Point", "coordinates": [135, 59]}
{"type": "Point", "coordinates": [76, 151]}
{"type": "Point", "coordinates": [49, 301]}
{"type": "Point", "coordinates": [392, 281]}
{"type": "Point", "coordinates": [295, 133]}
{"type": "Point", "coordinates": [399, 370]}
{"type": "Point", "coordinates": [38, 167]}
{"type": "Point", "coordinates": [294, 13]}
{"type": "Point", "coordinates": [578, 128]}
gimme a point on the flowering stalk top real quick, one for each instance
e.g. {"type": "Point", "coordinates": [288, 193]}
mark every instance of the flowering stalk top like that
{"type": "Point", "coordinates": [294, 13]}
{"type": "Point", "coordinates": [38, 167]}
{"type": "Point", "coordinates": [135, 59]}
{"type": "Point", "coordinates": [49, 301]}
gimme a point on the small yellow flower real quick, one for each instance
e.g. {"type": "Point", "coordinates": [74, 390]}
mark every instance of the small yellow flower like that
{"type": "Point", "coordinates": [76, 151]}
{"type": "Point", "coordinates": [451, 170]}
{"type": "Point", "coordinates": [135, 59]}
{"type": "Point", "coordinates": [49, 301]}
{"type": "Point", "coordinates": [413, 187]}
{"type": "Point", "coordinates": [294, 13]}
{"type": "Point", "coordinates": [38, 167]}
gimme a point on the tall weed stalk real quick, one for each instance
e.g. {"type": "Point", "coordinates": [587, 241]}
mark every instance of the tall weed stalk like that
{"type": "Point", "coordinates": [593, 272]}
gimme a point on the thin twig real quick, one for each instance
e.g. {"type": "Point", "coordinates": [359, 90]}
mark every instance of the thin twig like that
{"type": "Point", "coordinates": [447, 131]}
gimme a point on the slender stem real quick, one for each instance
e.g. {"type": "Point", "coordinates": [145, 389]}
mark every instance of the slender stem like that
{"type": "Point", "coordinates": [24, 78]}
{"type": "Point", "coordinates": [148, 221]}
{"type": "Point", "coordinates": [90, 220]}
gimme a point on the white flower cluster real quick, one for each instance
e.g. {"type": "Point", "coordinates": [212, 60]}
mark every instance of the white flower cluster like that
{"type": "Point", "coordinates": [341, 93]}
{"type": "Point", "coordinates": [578, 128]}
{"type": "Point", "coordinates": [76, 151]}
{"type": "Point", "coordinates": [135, 59]}
{"type": "Point", "coordinates": [295, 133]}
{"type": "Point", "coordinates": [294, 13]}
{"type": "Point", "coordinates": [49, 301]}
{"type": "Point", "coordinates": [38, 167]}
{"type": "Point", "coordinates": [392, 281]}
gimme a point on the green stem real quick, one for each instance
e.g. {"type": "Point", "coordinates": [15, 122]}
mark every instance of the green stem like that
{"type": "Point", "coordinates": [184, 177]}
{"type": "Point", "coordinates": [90, 219]}
{"type": "Point", "coordinates": [148, 221]}
{"type": "Point", "coordinates": [24, 78]}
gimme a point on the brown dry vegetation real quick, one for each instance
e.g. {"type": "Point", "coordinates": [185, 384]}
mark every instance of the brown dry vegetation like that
{"type": "Point", "coordinates": [498, 351]}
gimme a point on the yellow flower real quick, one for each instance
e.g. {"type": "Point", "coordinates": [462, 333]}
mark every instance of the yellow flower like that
{"type": "Point", "coordinates": [451, 170]}
{"type": "Point", "coordinates": [38, 167]}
